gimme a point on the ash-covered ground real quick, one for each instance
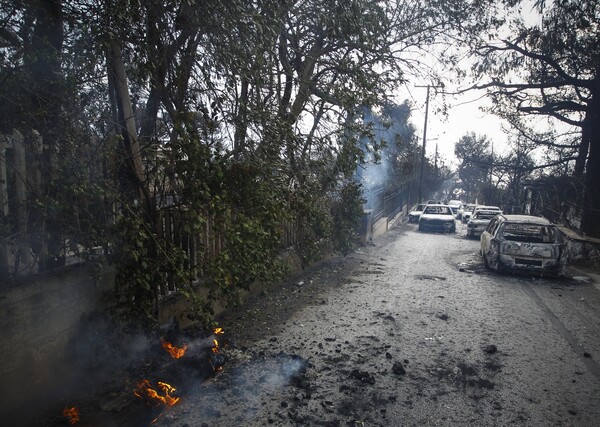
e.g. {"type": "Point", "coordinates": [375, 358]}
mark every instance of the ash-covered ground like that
{"type": "Point", "coordinates": [408, 331]}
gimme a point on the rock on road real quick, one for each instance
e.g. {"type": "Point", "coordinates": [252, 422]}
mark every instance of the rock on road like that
{"type": "Point", "coordinates": [409, 331]}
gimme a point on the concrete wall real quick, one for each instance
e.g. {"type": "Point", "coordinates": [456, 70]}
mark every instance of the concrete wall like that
{"type": "Point", "coordinates": [39, 319]}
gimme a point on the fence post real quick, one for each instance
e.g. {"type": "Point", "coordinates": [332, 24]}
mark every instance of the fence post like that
{"type": "Point", "coordinates": [21, 199]}
{"type": "Point", "coordinates": [3, 207]}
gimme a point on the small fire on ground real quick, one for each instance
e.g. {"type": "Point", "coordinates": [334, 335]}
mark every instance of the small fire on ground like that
{"type": "Point", "coordinates": [175, 352]}
{"type": "Point", "coordinates": [216, 362]}
{"type": "Point", "coordinates": [71, 415]}
{"type": "Point", "coordinates": [145, 392]}
{"type": "Point", "coordinates": [162, 395]}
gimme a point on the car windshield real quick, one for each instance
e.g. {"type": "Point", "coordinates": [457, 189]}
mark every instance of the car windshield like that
{"type": "Point", "coordinates": [485, 214]}
{"type": "Point", "coordinates": [438, 210]}
{"type": "Point", "coordinates": [531, 233]}
{"type": "Point", "coordinates": [419, 207]}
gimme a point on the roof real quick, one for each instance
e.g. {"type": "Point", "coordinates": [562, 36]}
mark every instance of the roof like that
{"type": "Point", "coordinates": [528, 219]}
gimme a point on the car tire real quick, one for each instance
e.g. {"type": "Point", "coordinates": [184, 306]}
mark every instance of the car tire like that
{"type": "Point", "coordinates": [486, 264]}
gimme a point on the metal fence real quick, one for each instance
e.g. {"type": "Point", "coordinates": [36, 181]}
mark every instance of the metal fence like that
{"type": "Point", "coordinates": [384, 203]}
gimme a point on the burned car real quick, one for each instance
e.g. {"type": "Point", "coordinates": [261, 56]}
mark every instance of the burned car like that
{"type": "Point", "coordinates": [465, 212]}
{"type": "Point", "coordinates": [525, 243]}
{"type": "Point", "coordinates": [415, 213]}
{"type": "Point", "coordinates": [479, 220]}
{"type": "Point", "coordinates": [437, 218]}
{"type": "Point", "coordinates": [456, 206]}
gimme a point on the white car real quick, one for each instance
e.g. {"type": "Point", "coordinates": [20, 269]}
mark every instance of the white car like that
{"type": "Point", "coordinates": [415, 213]}
{"type": "Point", "coordinates": [437, 218]}
{"type": "Point", "coordinates": [455, 205]}
{"type": "Point", "coordinates": [481, 217]}
{"type": "Point", "coordinates": [524, 243]}
{"type": "Point", "coordinates": [465, 212]}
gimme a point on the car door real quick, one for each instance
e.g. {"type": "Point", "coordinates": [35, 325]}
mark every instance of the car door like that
{"type": "Point", "coordinates": [487, 235]}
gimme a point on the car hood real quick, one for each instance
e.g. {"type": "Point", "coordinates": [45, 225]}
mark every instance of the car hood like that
{"type": "Point", "coordinates": [439, 217]}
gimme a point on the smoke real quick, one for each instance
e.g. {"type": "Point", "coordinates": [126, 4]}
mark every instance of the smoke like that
{"type": "Point", "coordinates": [374, 174]}
{"type": "Point", "coordinates": [249, 384]}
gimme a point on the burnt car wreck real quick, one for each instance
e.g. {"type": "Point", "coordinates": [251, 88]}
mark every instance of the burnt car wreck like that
{"type": "Point", "coordinates": [437, 218]}
{"type": "Point", "coordinates": [523, 243]}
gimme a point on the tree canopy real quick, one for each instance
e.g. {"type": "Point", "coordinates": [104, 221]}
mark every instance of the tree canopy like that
{"type": "Point", "coordinates": [548, 67]}
{"type": "Point", "coordinates": [179, 136]}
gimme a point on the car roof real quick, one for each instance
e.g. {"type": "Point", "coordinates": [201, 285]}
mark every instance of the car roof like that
{"type": "Point", "coordinates": [437, 205]}
{"type": "Point", "coordinates": [456, 202]}
{"type": "Point", "coordinates": [529, 219]}
{"type": "Point", "coordinates": [485, 207]}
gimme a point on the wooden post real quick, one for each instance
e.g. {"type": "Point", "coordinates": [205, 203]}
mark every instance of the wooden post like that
{"type": "Point", "coordinates": [128, 117]}
{"type": "Point", "coordinates": [4, 260]}
{"type": "Point", "coordinates": [24, 256]}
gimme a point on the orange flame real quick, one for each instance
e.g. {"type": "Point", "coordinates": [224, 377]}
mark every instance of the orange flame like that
{"type": "Point", "coordinates": [175, 352]}
{"type": "Point", "coordinates": [216, 331]}
{"type": "Point", "coordinates": [71, 414]}
{"type": "Point", "coordinates": [215, 349]}
{"type": "Point", "coordinates": [146, 392]}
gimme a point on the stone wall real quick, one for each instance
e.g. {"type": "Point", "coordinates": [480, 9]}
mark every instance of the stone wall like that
{"type": "Point", "coordinates": [40, 319]}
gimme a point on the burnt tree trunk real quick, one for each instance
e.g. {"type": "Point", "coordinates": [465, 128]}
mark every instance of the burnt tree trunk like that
{"type": "Point", "coordinates": [590, 222]}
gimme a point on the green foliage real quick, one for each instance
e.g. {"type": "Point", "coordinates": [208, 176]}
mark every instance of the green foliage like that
{"type": "Point", "coordinates": [248, 218]}
{"type": "Point", "coordinates": [347, 213]}
{"type": "Point", "coordinates": [314, 221]}
{"type": "Point", "coordinates": [245, 119]}
{"type": "Point", "coordinates": [144, 265]}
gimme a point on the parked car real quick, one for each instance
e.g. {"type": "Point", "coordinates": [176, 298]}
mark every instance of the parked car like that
{"type": "Point", "coordinates": [437, 217]}
{"type": "Point", "coordinates": [455, 205]}
{"type": "Point", "coordinates": [481, 217]}
{"type": "Point", "coordinates": [523, 243]}
{"type": "Point", "coordinates": [464, 214]}
{"type": "Point", "coordinates": [415, 213]}
{"type": "Point", "coordinates": [434, 202]}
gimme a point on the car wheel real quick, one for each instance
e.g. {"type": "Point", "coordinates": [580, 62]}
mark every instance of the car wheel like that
{"type": "Point", "coordinates": [486, 264]}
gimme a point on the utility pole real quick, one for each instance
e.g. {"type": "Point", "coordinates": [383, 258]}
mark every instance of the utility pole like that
{"type": "Point", "coordinates": [424, 140]}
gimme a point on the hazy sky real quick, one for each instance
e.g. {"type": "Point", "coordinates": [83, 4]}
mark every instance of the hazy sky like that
{"type": "Point", "coordinates": [464, 116]}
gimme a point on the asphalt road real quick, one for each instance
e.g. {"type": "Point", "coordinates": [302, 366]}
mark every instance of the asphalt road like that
{"type": "Point", "coordinates": [409, 331]}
